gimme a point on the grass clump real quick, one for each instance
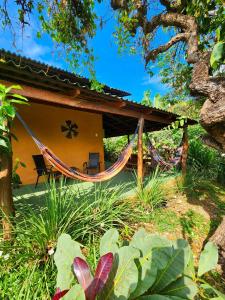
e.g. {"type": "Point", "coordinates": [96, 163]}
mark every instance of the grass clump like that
{"type": "Point", "coordinates": [28, 271]}
{"type": "Point", "coordinates": [151, 192]}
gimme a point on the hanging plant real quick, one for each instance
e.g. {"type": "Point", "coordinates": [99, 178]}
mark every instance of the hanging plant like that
{"type": "Point", "coordinates": [69, 129]}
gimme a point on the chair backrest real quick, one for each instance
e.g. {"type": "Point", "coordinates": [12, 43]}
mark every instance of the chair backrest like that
{"type": "Point", "coordinates": [40, 164]}
{"type": "Point", "coordinates": [93, 160]}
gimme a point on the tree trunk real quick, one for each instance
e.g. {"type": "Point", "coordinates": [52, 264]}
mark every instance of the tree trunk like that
{"type": "Point", "coordinates": [219, 239]}
{"type": "Point", "coordinates": [6, 199]}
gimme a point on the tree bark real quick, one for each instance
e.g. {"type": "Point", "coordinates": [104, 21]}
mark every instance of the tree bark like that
{"type": "Point", "coordinates": [6, 198]}
{"type": "Point", "coordinates": [219, 239]}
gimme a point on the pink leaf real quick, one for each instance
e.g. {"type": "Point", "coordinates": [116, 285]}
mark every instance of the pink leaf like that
{"type": "Point", "coordinates": [59, 294]}
{"type": "Point", "coordinates": [101, 274]}
{"type": "Point", "coordinates": [84, 277]}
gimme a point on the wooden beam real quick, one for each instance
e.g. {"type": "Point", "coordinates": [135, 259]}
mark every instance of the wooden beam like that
{"type": "Point", "coordinates": [48, 97]}
{"type": "Point", "coordinates": [185, 151]}
{"type": "Point", "coordinates": [74, 93]}
{"type": "Point", "coordinates": [140, 171]}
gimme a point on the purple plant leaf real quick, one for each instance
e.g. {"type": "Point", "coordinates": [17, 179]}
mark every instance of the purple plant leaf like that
{"type": "Point", "coordinates": [83, 274]}
{"type": "Point", "coordinates": [101, 274]}
{"type": "Point", "coordinates": [59, 294]}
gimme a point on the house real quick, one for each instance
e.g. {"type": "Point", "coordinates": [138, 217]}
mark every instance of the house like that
{"type": "Point", "coordinates": [67, 115]}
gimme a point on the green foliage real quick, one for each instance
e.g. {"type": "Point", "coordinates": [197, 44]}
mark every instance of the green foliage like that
{"type": "Point", "coordinates": [210, 18]}
{"type": "Point", "coordinates": [218, 55]}
{"type": "Point", "coordinates": [7, 114]}
{"type": "Point", "coordinates": [150, 192]}
{"type": "Point", "coordinates": [208, 259]}
{"type": "Point", "coordinates": [16, 181]}
{"type": "Point", "coordinates": [69, 24]}
{"type": "Point", "coordinates": [113, 147]}
{"type": "Point", "coordinates": [84, 214]}
{"type": "Point", "coordinates": [205, 162]}
{"type": "Point", "coordinates": [148, 267]}
{"type": "Point", "coordinates": [67, 250]}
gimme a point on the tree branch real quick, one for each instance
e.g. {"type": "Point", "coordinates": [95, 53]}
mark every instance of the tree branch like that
{"type": "Point", "coordinates": [173, 6]}
{"type": "Point", "coordinates": [151, 55]}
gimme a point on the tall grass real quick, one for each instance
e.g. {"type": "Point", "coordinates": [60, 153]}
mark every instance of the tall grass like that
{"type": "Point", "coordinates": [205, 162]}
{"type": "Point", "coordinates": [80, 212]}
{"type": "Point", "coordinates": [150, 191]}
{"type": "Point", "coordinates": [85, 214]}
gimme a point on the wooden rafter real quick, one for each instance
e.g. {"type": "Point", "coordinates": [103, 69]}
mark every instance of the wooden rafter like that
{"type": "Point", "coordinates": [48, 97]}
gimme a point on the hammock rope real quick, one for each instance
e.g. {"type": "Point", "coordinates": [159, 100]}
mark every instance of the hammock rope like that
{"type": "Point", "coordinates": [74, 173]}
{"type": "Point", "coordinates": [158, 158]}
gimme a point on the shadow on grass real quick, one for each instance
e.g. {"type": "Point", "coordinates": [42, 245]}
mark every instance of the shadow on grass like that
{"type": "Point", "coordinates": [208, 195]}
{"type": "Point", "coordinates": [29, 196]}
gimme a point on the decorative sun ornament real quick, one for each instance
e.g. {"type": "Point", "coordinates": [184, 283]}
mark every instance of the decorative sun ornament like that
{"type": "Point", "coordinates": [69, 129]}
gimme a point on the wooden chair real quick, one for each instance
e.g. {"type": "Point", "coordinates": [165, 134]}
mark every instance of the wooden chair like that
{"type": "Point", "coordinates": [42, 169]}
{"type": "Point", "coordinates": [93, 164]}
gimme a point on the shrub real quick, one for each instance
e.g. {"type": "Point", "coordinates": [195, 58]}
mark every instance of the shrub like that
{"type": "Point", "coordinates": [113, 147]}
{"type": "Point", "coordinates": [149, 267]}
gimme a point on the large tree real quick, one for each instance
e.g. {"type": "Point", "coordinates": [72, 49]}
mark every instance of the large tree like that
{"type": "Point", "coordinates": [199, 26]}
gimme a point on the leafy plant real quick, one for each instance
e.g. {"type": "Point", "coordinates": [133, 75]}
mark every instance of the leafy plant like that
{"type": "Point", "coordinates": [8, 113]}
{"type": "Point", "coordinates": [149, 267]}
{"type": "Point", "coordinates": [83, 213]}
{"type": "Point", "coordinates": [15, 176]}
{"type": "Point", "coordinates": [91, 286]}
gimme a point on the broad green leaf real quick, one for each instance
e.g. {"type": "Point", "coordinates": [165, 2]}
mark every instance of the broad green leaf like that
{"type": "Point", "coordinates": [218, 33]}
{"type": "Point", "coordinates": [217, 53]}
{"type": "Point", "coordinates": [208, 258]}
{"type": "Point", "coordinates": [183, 287]}
{"type": "Point", "coordinates": [109, 242]}
{"type": "Point", "coordinates": [146, 265]}
{"type": "Point", "coordinates": [177, 262]}
{"type": "Point", "coordinates": [17, 96]}
{"type": "Point", "coordinates": [66, 251]}
{"type": "Point", "coordinates": [19, 102]}
{"type": "Point", "coordinates": [10, 110]}
{"type": "Point", "coordinates": [15, 87]}
{"type": "Point", "coordinates": [190, 269]}
{"type": "Point", "coordinates": [209, 288]}
{"type": "Point", "coordinates": [123, 277]}
{"type": "Point", "coordinates": [75, 293]}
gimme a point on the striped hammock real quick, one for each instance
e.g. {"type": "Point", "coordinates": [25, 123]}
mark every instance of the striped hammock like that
{"type": "Point", "coordinates": [75, 174]}
{"type": "Point", "coordinates": [160, 161]}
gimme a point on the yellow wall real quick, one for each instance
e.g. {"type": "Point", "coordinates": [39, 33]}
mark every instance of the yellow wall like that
{"type": "Point", "coordinates": [46, 121]}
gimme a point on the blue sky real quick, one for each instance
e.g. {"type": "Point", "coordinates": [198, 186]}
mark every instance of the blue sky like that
{"type": "Point", "coordinates": [122, 71]}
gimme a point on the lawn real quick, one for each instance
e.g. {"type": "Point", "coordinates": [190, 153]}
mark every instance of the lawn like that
{"type": "Point", "coordinates": [86, 211]}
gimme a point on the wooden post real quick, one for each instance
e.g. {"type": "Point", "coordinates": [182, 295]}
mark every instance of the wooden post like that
{"type": "Point", "coordinates": [140, 152]}
{"type": "Point", "coordinates": [185, 151]}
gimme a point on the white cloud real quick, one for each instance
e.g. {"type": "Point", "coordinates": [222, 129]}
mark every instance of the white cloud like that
{"type": "Point", "coordinates": [148, 80]}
